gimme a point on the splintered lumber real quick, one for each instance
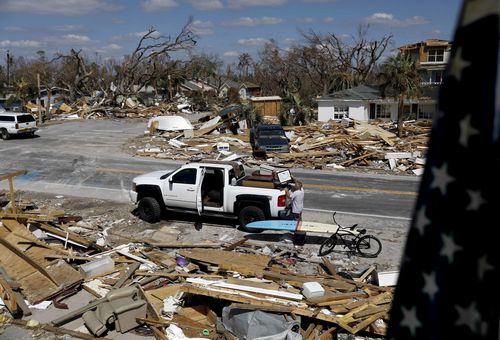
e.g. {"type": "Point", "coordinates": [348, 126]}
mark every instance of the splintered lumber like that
{"type": "Point", "coordinates": [10, 177]}
{"type": "Point", "coordinates": [234, 245]}
{"type": "Point", "coordinates": [329, 266]}
{"type": "Point", "coordinates": [247, 264]}
{"type": "Point", "coordinates": [131, 270]}
{"type": "Point", "coordinates": [329, 297]}
{"type": "Point", "coordinates": [66, 235]}
{"type": "Point", "coordinates": [8, 296]}
{"type": "Point", "coordinates": [366, 155]}
{"type": "Point", "coordinates": [39, 278]}
{"type": "Point", "coordinates": [295, 155]}
{"type": "Point", "coordinates": [184, 245]}
{"type": "Point", "coordinates": [267, 292]}
{"type": "Point", "coordinates": [361, 323]}
{"type": "Point", "coordinates": [326, 141]}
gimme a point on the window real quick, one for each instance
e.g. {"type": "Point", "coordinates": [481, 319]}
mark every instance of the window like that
{"type": "Point", "coordinates": [437, 76]}
{"type": "Point", "coordinates": [340, 112]}
{"type": "Point", "coordinates": [186, 176]}
{"type": "Point", "coordinates": [435, 56]}
{"type": "Point", "coordinates": [7, 119]}
{"type": "Point", "coordinates": [379, 111]}
{"type": "Point", "coordinates": [426, 111]}
{"type": "Point", "coordinates": [25, 119]}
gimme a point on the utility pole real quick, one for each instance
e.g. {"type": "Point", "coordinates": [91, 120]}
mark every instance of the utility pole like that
{"type": "Point", "coordinates": [38, 104]}
{"type": "Point", "coordinates": [8, 68]}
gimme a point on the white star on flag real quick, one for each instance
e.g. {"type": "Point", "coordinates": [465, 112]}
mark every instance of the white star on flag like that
{"type": "Point", "coordinates": [466, 131]}
{"type": "Point", "coordinates": [476, 200]}
{"type": "Point", "coordinates": [483, 266]}
{"type": "Point", "coordinates": [410, 319]}
{"type": "Point", "coordinates": [458, 64]}
{"type": "Point", "coordinates": [422, 221]}
{"type": "Point", "coordinates": [449, 247]}
{"type": "Point", "coordinates": [468, 317]}
{"type": "Point", "coordinates": [441, 178]}
{"type": "Point", "coordinates": [430, 287]}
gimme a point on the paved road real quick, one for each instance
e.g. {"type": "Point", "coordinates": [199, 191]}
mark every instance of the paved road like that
{"type": "Point", "coordinates": [87, 159]}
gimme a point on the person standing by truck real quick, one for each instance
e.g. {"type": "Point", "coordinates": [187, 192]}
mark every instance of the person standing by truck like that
{"type": "Point", "coordinates": [297, 197]}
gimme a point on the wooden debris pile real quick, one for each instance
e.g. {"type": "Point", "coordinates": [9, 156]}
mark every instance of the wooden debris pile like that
{"type": "Point", "coordinates": [194, 289]}
{"type": "Point", "coordinates": [334, 145]}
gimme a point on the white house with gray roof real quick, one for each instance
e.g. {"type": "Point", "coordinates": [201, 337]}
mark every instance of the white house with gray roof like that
{"type": "Point", "coordinates": [367, 102]}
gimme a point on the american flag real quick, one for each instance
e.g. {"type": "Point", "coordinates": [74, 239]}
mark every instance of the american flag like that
{"type": "Point", "coordinates": [448, 284]}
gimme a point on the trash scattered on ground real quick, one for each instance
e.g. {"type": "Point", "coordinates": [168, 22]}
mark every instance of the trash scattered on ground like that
{"type": "Point", "coordinates": [232, 288]}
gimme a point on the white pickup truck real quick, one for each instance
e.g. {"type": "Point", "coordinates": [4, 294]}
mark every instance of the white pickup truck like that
{"type": "Point", "coordinates": [214, 188]}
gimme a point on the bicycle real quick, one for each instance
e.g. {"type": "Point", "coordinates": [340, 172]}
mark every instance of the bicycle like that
{"type": "Point", "coordinates": [353, 239]}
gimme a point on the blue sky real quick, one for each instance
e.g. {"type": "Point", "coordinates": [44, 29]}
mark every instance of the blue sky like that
{"type": "Point", "coordinates": [225, 27]}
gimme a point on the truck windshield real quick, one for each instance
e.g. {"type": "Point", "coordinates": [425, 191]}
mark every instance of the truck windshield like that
{"type": "Point", "coordinates": [271, 133]}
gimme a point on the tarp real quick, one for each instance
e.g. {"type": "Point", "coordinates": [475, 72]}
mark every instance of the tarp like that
{"type": "Point", "coordinates": [259, 325]}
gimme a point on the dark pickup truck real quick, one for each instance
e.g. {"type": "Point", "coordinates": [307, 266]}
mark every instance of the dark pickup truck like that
{"type": "Point", "coordinates": [268, 138]}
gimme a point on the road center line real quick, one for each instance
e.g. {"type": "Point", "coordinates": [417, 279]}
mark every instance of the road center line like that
{"type": "Point", "coordinates": [382, 191]}
{"type": "Point", "coordinates": [306, 185]}
{"type": "Point", "coordinates": [358, 214]}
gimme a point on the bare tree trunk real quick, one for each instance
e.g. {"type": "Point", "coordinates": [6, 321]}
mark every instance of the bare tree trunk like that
{"type": "Point", "coordinates": [400, 114]}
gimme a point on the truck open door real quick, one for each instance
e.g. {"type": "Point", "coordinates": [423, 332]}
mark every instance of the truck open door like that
{"type": "Point", "coordinates": [199, 199]}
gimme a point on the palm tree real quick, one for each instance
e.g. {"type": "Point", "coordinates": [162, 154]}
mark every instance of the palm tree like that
{"type": "Point", "coordinates": [400, 80]}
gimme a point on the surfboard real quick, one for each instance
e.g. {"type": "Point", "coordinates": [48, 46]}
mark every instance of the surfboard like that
{"type": "Point", "coordinates": [288, 225]}
{"type": "Point", "coordinates": [291, 225]}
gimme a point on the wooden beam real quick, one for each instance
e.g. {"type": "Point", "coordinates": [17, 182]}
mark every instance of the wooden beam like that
{"type": "Point", "coordinates": [131, 270]}
{"type": "Point", "coordinates": [13, 174]}
{"type": "Point", "coordinates": [8, 296]}
{"type": "Point", "coordinates": [366, 155]}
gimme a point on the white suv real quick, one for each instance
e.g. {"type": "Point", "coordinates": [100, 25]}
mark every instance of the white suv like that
{"type": "Point", "coordinates": [16, 123]}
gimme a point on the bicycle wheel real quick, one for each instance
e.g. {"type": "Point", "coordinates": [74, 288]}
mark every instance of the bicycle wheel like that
{"type": "Point", "coordinates": [328, 245]}
{"type": "Point", "coordinates": [369, 246]}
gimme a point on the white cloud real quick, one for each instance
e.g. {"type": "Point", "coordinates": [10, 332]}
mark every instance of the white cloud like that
{"type": "Point", "coordinates": [69, 28]}
{"type": "Point", "coordinates": [388, 19]}
{"type": "Point", "coordinates": [202, 27]}
{"type": "Point", "coordinates": [20, 43]}
{"type": "Point", "coordinates": [133, 35]}
{"type": "Point", "coordinates": [247, 21]}
{"type": "Point", "coordinates": [231, 54]}
{"type": "Point", "coordinates": [69, 39]}
{"type": "Point", "coordinates": [58, 7]}
{"type": "Point", "coordinates": [114, 47]}
{"type": "Point", "coordinates": [251, 3]}
{"type": "Point", "coordinates": [306, 20]}
{"type": "Point", "coordinates": [253, 41]}
{"type": "Point", "coordinates": [206, 5]}
{"type": "Point", "coordinates": [14, 29]}
{"type": "Point", "coordinates": [328, 20]}
{"type": "Point", "coordinates": [154, 5]}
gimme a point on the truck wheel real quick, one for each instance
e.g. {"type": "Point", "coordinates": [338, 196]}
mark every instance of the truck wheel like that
{"type": "Point", "coordinates": [250, 214]}
{"type": "Point", "coordinates": [149, 209]}
{"type": "Point", "coordinates": [4, 134]}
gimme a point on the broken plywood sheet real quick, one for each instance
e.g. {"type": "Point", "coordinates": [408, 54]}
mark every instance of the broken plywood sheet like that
{"type": "Point", "coordinates": [251, 264]}
{"type": "Point", "coordinates": [372, 130]}
{"type": "Point", "coordinates": [39, 278]}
